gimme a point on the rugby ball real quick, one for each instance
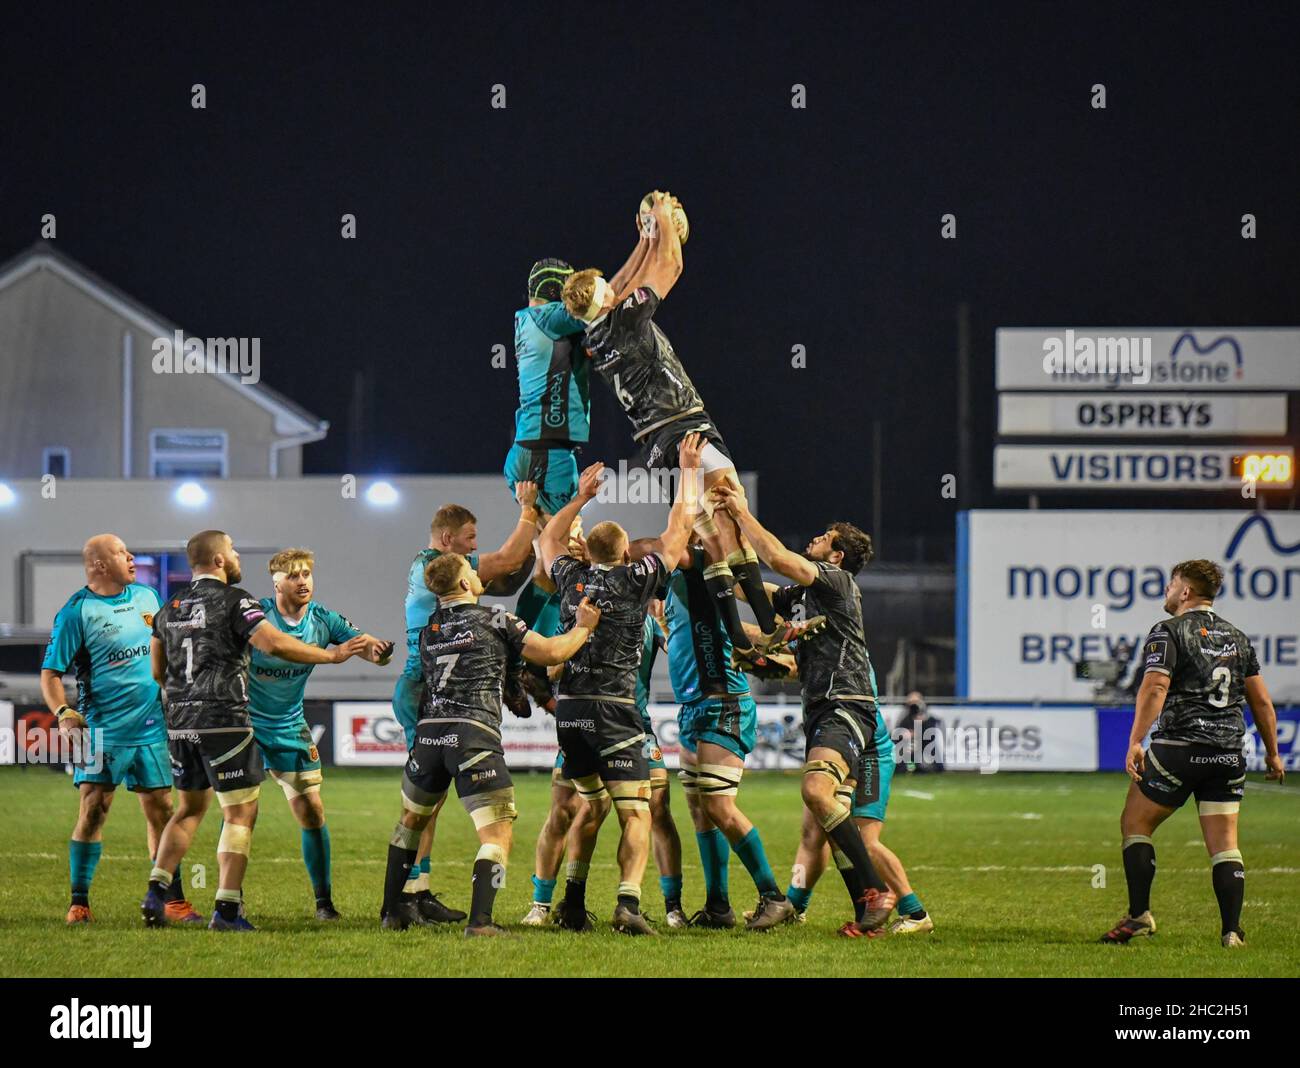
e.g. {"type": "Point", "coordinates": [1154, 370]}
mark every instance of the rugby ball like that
{"type": "Point", "coordinates": [680, 222]}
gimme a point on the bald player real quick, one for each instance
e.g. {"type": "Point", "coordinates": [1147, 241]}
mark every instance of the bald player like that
{"type": "Point", "coordinates": [102, 633]}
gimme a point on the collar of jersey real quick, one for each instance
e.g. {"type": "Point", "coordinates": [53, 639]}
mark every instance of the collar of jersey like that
{"type": "Point", "coordinates": [126, 590]}
{"type": "Point", "coordinates": [210, 578]}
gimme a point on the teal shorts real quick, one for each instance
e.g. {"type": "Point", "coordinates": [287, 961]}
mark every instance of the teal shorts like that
{"type": "Point", "coordinates": [287, 745]}
{"type": "Point", "coordinates": [406, 704]}
{"type": "Point", "coordinates": [730, 723]}
{"type": "Point", "coordinates": [875, 774]}
{"type": "Point", "coordinates": [554, 470]}
{"type": "Point", "coordinates": [140, 767]}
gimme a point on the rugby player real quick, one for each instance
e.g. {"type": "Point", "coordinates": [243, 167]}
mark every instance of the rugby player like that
{"type": "Point", "coordinates": [867, 805]}
{"type": "Point", "coordinates": [718, 724]}
{"type": "Point", "coordinates": [199, 653]}
{"type": "Point", "coordinates": [666, 844]}
{"type": "Point", "coordinates": [838, 685]}
{"type": "Point", "coordinates": [275, 705]}
{"type": "Point", "coordinates": [467, 650]}
{"type": "Point", "coordinates": [454, 529]}
{"type": "Point", "coordinates": [597, 723]}
{"type": "Point", "coordinates": [102, 632]}
{"type": "Point", "coordinates": [637, 360]}
{"type": "Point", "coordinates": [1200, 671]}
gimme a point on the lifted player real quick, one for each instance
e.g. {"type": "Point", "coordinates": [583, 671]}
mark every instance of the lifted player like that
{"type": "Point", "coordinates": [635, 357]}
{"type": "Point", "coordinates": [466, 650]}
{"type": "Point", "coordinates": [275, 705]}
{"type": "Point", "coordinates": [839, 701]}
{"type": "Point", "coordinates": [454, 529]}
{"type": "Point", "coordinates": [597, 724]}
{"type": "Point", "coordinates": [103, 633]}
{"type": "Point", "coordinates": [1200, 672]}
{"type": "Point", "coordinates": [199, 653]}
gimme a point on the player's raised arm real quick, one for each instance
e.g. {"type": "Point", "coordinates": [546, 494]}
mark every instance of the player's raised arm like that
{"type": "Point", "coordinates": [554, 541]}
{"type": "Point", "coordinates": [766, 544]}
{"type": "Point", "coordinates": [561, 647]}
{"type": "Point", "coordinates": [269, 639]}
{"type": "Point", "coordinates": [515, 550]}
{"type": "Point", "coordinates": [1265, 717]}
{"type": "Point", "coordinates": [621, 283]}
{"type": "Point", "coordinates": [663, 262]}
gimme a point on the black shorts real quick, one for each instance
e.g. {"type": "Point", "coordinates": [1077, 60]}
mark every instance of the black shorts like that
{"type": "Point", "coordinates": [848, 727]}
{"type": "Point", "coordinates": [466, 753]}
{"type": "Point", "coordinates": [604, 738]}
{"type": "Point", "coordinates": [224, 759]}
{"type": "Point", "coordinates": [1176, 770]}
{"type": "Point", "coordinates": [660, 446]}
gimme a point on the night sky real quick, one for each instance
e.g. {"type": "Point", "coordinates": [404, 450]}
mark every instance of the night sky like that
{"type": "Point", "coordinates": [816, 227]}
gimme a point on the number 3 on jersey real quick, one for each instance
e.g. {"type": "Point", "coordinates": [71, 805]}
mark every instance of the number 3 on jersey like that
{"type": "Point", "coordinates": [1222, 677]}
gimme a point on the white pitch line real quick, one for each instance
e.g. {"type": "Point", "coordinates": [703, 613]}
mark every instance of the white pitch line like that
{"type": "Point", "coordinates": [920, 795]}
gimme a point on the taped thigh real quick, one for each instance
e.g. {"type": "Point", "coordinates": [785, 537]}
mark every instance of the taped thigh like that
{"type": "Point", "coordinates": [689, 778]}
{"type": "Point", "coordinates": [491, 806]}
{"type": "Point", "coordinates": [719, 780]}
{"type": "Point", "coordinates": [827, 767]}
{"type": "Point", "coordinates": [297, 783]}
{"type": "Point", "coordinates": [238, 797]}
{"type": "Point", "coordinates": [421, 802]}
{"type": "Point", "coordinates": [630, 795]}
{"type": "Point", "coordinates": [591, 788]}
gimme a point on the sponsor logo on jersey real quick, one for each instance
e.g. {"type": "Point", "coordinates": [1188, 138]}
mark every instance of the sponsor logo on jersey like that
{"type": "Point", "coordinates": [148, 618]}
{"type": "Point", "coordinates": [121, 656]}
{"type": "Point", "coordinates": [620, 763]}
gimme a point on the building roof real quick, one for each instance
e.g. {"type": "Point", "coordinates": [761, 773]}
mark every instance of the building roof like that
{"type": "Point", "coordinates": [290, 418]}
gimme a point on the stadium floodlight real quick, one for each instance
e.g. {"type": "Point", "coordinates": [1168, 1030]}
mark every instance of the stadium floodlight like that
{"type": "Point", "coordinates": [382, 494]}
{"type": "Point", "coordinates": [191, 495]}
{"type": "Point", "coordinates": [7, 496]}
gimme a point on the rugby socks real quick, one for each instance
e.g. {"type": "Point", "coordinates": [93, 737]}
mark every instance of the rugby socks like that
{"type": "Point", "coordinates": [629, 896]}
{"type": "Point", "coordinates": [419, 878]}
{"type": "Point", "coordinates": [575, 886]}
{"type": "Point", "coordinates": [910, 905]}
{"type": "Point", "coordinates": [401, 856]}
{"type": "Point", "coordinates": [744, 565]}
{"type": "Point", "coordinates": [83, 858]}
{"type": "Point", "coordinates": [852, 882]}
{"type": "Point", "coordinates": [721, 586]}
{"type": "Point", "coordinates": [228, 902]}
{"type": "Point", "coordinates": [175, 890]}
{"type": "Point", "coordinates": [1229, 874]}
{"type": "Point", "coordinates": [800, 897]}
{"type": "Point", "coordinates": [714, 853]}
{"type": "Point", "coordinates": [316, 855]}
{"type": "Point", "coordinates": [844, 836]}
{"type": "Point", "coordinates": [751, 853]}
{"type": "Point", "coordinates": [671, 887]}
{"type": "Point", "coordinates": [543, 890]}
{"type": "Point", "coordinates": [1139, 871]}
{"type": "Point", "coordinates": [489, 876]}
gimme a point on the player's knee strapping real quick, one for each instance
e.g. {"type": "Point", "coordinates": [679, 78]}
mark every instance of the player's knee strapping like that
{"type": "Point", "coordinates": [591, 788]}
{"type": "Point", "coordinates": [405, 837]}
{"type": "Point", "coordinates": [496, 856]}
{"type": "Point", "coordinates": [298, 783]}
{"type": "Point", "coordinates": [491, 806]}
{"type": "Point", "coordinates": [719, 780]}
{"type": "Point", "coordinates": [235, 838]}
{"type": "Point", "coordinates": [844, 795]}
{"type": "Point", "coordinates": [631, 796]}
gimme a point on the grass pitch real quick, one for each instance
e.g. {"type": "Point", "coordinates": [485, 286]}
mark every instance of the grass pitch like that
{"type": "Point", "coordinates": [1005, 863]}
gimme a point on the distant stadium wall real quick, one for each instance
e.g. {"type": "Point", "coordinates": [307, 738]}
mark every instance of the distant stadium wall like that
{"type": "Point", "coordinates": [1038, 591]}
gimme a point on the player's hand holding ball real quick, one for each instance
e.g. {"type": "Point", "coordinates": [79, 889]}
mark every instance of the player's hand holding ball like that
{"type": "Point", "coordinates": [357, 646]}
{"type": "Point", "coordinates": [662, 209]}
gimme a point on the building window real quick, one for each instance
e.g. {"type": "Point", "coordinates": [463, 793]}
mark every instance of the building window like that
{"type": "Point", "coordinates": [56, 460]}
{"type": "Point", "coordinates": [187, 453]}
